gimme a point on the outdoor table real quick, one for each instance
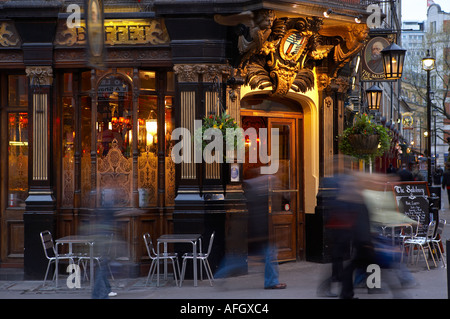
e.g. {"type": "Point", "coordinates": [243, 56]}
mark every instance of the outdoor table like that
{"type": "Point", "coordinates": [77, 239]}
{"type": "Point", "coordinates": [178, 238]}
{"type": "Point", "coordinates": [393, 226]}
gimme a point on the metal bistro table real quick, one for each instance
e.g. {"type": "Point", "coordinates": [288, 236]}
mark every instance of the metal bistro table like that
{"type": "Point", "coordinates": [77, 239]}
{"type": "Point", "coordinates": [179, 238]}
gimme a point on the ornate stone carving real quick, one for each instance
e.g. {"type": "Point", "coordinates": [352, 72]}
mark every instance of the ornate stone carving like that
{"type": "Point", "coordinates": [342, 83]}
{"type": "Point", "coordinates": [40, 75]}
{"type": "Point", "coordinates": [190, 72]}
{"type": "Point", "coordinates": [186, 72]}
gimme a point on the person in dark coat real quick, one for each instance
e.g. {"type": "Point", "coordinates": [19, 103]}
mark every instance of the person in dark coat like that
{"type": "Point", "coordinates": [437, 178]}
{"type": "Point", "coordinates": [339, 222]}
{"type": "Point", "coordinates": [405, 174]}
{"type": "Point", "coordinates": [257, 193]}
{"type": "Point", "coordinates": [352, 203]}
{"type": "Point", "coordinates": [446, 180]}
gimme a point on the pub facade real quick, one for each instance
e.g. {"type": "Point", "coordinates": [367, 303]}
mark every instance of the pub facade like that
{"type": "Point", "coordinates": [79, 140]}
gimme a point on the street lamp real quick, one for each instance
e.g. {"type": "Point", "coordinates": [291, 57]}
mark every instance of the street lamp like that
{"type": "Point", "coordinates": [428, 64]}
{"type": "Point", "coordinates": [374, 94]}
{"type": "Point", "coordinates": [393, 58]}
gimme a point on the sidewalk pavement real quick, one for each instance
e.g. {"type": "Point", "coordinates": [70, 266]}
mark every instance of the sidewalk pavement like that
{"type": "Point", "coordinates": [302, 279]}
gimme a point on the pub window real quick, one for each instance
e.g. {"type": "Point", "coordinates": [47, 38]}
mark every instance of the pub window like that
{"type": "Point", "coordinates": [148, 150]}
{"type": "Point", "coordinates": [17, 140]}
{"type": "Point", "coordinates": [17, 90]}
{"type": "Point", "coordinates": [148, 80]}
{"type": "Point", "coordinates": [114, 135]}
{"type": "Point", "coordinates": [85, 136]}
{"type": "Point", "coordinates": [170, 82]}
{"type": "Point", "coordinates": [114, 116]}
{"type": "Point", "coordinates": [68, 137]}
{"type": "Point", "coordinates": [17, 159]}
{"type": "Point", "coordinates": [85, 81]}
{"type": "Point", "coordinates": [169, 163]}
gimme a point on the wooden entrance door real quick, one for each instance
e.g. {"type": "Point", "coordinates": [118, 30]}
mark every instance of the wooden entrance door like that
{"type": "Point", "coordinates": [283, 188]}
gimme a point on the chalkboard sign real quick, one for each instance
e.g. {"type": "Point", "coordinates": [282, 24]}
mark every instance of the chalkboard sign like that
{"type": "Point", "coordinates": [412, 200]}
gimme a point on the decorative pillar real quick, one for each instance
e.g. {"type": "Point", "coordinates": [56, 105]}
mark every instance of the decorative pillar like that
{"type": "Point", "coordinates": [202, 204]}
{"type": "Point", "coordinates": [40, 205]}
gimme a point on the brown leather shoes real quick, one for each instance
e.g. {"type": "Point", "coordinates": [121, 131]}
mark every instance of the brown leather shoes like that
{"type": "Point", "coordinates": [277, 286]}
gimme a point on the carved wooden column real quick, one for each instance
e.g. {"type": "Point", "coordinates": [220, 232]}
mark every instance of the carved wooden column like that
{"type": "Point", "coordinates": [40, 204]}
{"type": "Point", "coordinates": [188, 172]}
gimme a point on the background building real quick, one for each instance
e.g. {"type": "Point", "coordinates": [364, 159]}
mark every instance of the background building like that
{"type": "Point", "coordinates": [419, 37]}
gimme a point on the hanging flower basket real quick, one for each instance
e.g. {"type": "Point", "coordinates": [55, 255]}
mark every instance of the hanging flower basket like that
{"type": "Point", "coordinates": [364, 140]}
{"type": "Point", "coordinates": [222, 123]}
{"type": "Point", "coordinates": [364, 144]}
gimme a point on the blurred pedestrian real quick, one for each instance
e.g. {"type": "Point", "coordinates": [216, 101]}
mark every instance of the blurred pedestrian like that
{"type": "Point", "coordinates": [351, 202]}
{"type": "Point", "coordinates": [257, 193]}
{"type": "Point", "coordinates": [417, 175]}
{"type": "Point", "coordinates": [437, 178]}
{"type": "Point", "coordinates": [391, 169]}
{"type": "Point", "coordinates": [383, 213]}
{"type": "Point", "coordinates": [256, 190]}
{"type": "Point", "coordinates": [405, 174]}
{"type": "Point", "coordinates": [339, 222]}
{"type": "Point", "coordinates": [103, 232]}
{"type": "Point", "coordinates": [446, 180]}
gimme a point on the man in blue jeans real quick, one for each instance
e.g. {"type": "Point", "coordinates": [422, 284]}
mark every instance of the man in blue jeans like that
{"type": "Point", "coordinates": [257, 193]}
{"type": "Point", "coordinates": [271, 270]}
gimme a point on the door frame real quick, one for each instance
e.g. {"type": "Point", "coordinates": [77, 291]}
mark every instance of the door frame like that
{"type": "Point", "coordinates": [299, 216]}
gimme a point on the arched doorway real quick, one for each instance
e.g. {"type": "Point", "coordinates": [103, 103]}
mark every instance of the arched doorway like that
{"type": "Point", "coordinates": [283, 119]}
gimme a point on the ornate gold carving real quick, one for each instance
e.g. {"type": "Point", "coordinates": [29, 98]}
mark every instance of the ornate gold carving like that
{"type": "Point", "coordinates": [117, 32]}
{"type": "Point", "coordinates": [68, 180]}
{"type": "Point", "coordinates": [114, 178]}
{"type": "Point", "coordinates": [259, 25]}
{"type": "Point", "coordinates": [170, 182]}
{"type": "Point", "coordinates": [147, 176]}
{"type": "Point", "coordinates": [276, 50]}
{"type": "Point", "coordinates": [351, 37]}
{"type": "Point", "coordinates": [8, 35]}
{"type": "Point", "coordinates": [279, 52]}
{"type": "Point", "coordinates": [323, 81]}
{"type": "Point", "coordinates": [85, 179]}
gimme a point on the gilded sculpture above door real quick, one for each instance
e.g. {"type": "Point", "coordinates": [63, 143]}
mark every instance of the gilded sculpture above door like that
{"type": "Point", "coordinates": [279, 52]}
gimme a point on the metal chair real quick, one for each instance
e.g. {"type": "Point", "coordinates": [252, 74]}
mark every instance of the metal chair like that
{"type": "Point", "coordinates": [162, 256]}
{"type": "Point", "coordinates": [423, 243]}
{"type": "Point", "coordinates": [437, 238]}
{"type": "Point", "coordinates": [203, 258]}
{"type": "Point", "coordinates": [408, 233]}
{"type": "Point", "coordinates": [50, 252]}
